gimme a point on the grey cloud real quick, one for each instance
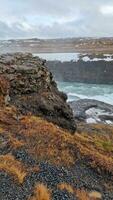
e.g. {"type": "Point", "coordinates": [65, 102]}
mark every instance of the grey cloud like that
{"type": "Point", "coordinates": [90, 21]}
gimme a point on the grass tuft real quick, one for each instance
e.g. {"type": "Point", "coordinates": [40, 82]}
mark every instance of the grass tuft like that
{"type": "Point", "coordinates": [67, 187]}
{"type": "Point", "coordinates": [15, 143]}
{"type": "Point", "coordinates": [41, 192]}
{"type": "Point", "coordinates": [9, 164]}
{"type": "Point", "coordinates": [94, 195]}
{"type": "Point", "coordinates": [82, 195]}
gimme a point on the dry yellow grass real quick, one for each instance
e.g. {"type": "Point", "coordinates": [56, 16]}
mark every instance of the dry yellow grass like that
{"type": "Point", "coordinates": [1, 130]}
{"type": "Point", "coordinates": [11, 140]}
{"type": "Point", "coordinates": [7, 117]}
{"type": "Point", "coordinates": [4, 90]}
{"type": "Point", "coordinates": [15, 143]}
{"type": "Point", "coordinates": [65, 186]}
{"type": "Point", "coordinates": [82, 195]}
{"type": "Point", "coordinates": [52, 144]}
{"type": "Point", "coordinates": [100, 158]}
{"type": "Point", "coordinates": [94, 195]}
{"type": "Point", "coordinates": [9, 164]}
{"type": "Point", "coordinates": [41, 193]}
{"type": "Point", "coordinates": [46, 141]}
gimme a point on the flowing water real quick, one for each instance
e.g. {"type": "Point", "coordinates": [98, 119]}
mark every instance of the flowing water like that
{"type": "Point", "coordinates": [75, 90]}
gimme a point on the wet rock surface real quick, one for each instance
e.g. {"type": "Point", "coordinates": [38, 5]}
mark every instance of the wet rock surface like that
{"type": "Point", "coordinates": [92, 111]}
{"type": "Point", "coordinates": [26, 83]}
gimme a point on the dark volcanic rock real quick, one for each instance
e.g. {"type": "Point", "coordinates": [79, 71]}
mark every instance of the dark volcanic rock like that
{"type": "Point", "coordinates": [98, 72]}
{"type": "Point", "coordinates": [97, 111]}
{"type": "Point", "coordinates": [26, 83]}
{"type": "Point", "coordinates": [63, 195]}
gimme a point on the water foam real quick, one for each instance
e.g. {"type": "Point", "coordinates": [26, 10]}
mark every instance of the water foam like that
{"type": "Point", "coordinates": [77, 91]}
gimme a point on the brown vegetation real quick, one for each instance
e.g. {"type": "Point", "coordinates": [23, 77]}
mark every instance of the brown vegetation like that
{"type": "Point", "coordinates": [41, 193]}
{"type": "Point", "coordinates": [95, 195]}
{"type": "Point", "coordinates": [15, 143]}
{"type": "Point", "coordinates": [9, 164]}
{"type": "Point", "coordinates": [91, 146]}
{"type": "Point", "coordinates": [82, 195]}
{"type": "Point", "coordinates": [52, 143]}
{"type": "Point", "coordinates": [4, 87]}
{"type": "Point", "coordinates": [65, 186]}
{"type": "Point", "coordinates": [85, 195]}
{"type": "Point", "coordinates": [48, 142]}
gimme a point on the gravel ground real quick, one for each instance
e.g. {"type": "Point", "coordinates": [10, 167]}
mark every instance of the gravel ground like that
{"type": "Point", "coordinates": [79, 176]}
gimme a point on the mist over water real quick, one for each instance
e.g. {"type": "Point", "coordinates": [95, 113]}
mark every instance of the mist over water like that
{"type": "Point", "coordinates": [77, 91]}
{"type": "Point", "coordinates": [59, 56]}
{"type": "Point", "coordinates": [63, 57]}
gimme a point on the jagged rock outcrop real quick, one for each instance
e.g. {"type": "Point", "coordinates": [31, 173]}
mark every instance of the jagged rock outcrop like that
{"type": "Point", "coordinates": [26, 83]}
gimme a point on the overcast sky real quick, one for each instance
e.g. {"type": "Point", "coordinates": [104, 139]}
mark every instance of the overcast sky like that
{"type": "Point", "coordinates": [55, 18]}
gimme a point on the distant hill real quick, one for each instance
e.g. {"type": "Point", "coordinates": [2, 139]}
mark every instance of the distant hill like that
{"type": "Point", "coordinates": [35, 45]}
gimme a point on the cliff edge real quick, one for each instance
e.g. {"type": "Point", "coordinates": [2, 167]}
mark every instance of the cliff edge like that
{"type": "Point", "coordinates": [26, 83]}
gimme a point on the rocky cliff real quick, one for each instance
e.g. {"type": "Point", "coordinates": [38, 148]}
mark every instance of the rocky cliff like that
{"type": "Point", "coordinates": [38, 159]}
{"type": "Point", "coordinates": [26, 83]}
{"type": "Point", "coordinates": [97, 72]}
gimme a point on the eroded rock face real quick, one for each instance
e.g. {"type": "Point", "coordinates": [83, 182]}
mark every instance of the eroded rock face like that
{"type": "Point", "coordinates": [26, 83]}
{"type": "Point", "coordinates": [96, 72]}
